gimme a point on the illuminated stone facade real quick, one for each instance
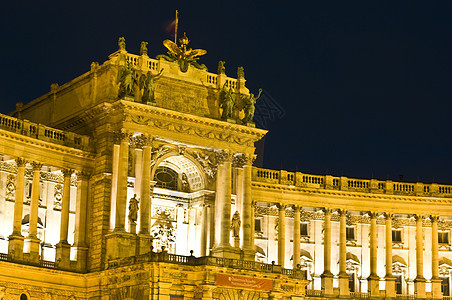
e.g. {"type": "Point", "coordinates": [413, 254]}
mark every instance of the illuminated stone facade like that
{"type": "Point", "coordinates": [116, 187]}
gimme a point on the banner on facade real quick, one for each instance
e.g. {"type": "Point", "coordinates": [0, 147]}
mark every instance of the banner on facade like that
{"type": "Point", "coordinates": [244, 282]}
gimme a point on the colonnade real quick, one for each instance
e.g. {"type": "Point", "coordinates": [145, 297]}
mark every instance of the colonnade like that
{"type": "Point", "coordinates": [22, 248]}
{"type": "Point", "coordinates": [373, 279]}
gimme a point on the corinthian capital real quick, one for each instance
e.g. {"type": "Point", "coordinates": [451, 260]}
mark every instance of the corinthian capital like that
{"type": "Point", "coordinates": [20, 162]}
{"type": "Point", "coordinates": [36, 166]}
{"type": "Point", "coordinates": [67, 172]}
{"type": "Point", "coordinates": [223, 156]}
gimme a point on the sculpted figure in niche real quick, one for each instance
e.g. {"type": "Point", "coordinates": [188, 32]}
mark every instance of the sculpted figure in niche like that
{"type": "Point", "coordinates": [248, 104]}
{"type": "Point", "coordinates": [127, 78]}
{"type": "Point", "coordinates": [147, 82]}
{"type": "Point", "coordinates": [227, 103]}
{"type": "Point", "coordinates": [235, 224]}
{"type": "Point", "coordinates": [133, 209]}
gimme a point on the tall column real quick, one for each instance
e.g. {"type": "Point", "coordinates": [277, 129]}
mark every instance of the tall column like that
{"type": "Point", "coordinates": [389, 279]}
{"type": "Point", "coordinates": [32, 242]}
{"type": "Point", "coordinates": [81, 246]}
{"type": "Point", "coordinates": [63, 249]}
{"type": "Point", "coordinates": [248, 211]}
{"type": "Point", "coordinates": [436, 281]}
{"type": "Point", "coordinates": [123, 166]}
{"type": "Point", "coordinates": [419, 281]}
{"type": "Point", "coordinates": [223, 207]}
{"type": "Point", "coordinates": [327, 276]}
{"type": "Point", "coordinates": [373, 279]}
{"type": "Point", "coordinates": [344, 289]}
{"type": "Point", "coordinates": [204, 221]}
{"type": "Point", "coordinates": [16, 240]}
{"type": "Point", "coordinates": [296, 236]}
{"type": "Point", "coordinates": [146, 187]}
{"type": "Point", "coordinates": [282, 234]}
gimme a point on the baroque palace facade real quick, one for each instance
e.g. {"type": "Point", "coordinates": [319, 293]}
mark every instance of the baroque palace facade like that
{"type": "Point", "coordinates": [135, 181]}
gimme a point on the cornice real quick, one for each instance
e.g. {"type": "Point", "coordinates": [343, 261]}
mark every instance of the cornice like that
{"type": "Point", "coordinates": [185, 123]}
{"type": "Point", "coordinates": [352, 195]}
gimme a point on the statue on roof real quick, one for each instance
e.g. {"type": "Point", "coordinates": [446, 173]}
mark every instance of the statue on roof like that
{"type": "Point", "coordinates": [127, 78]}
{"type": "Point", "coordinates": [182, 54]}
{"type": "Point", "coordinates": [147, 82]}
{"type": "Point", "coordinates": [240, 73]}
{"type": "Point", "coordinates": [248, 106]}
{"type": "Point", "coordinates": [122, 43]}
{"type": "Point", "coordinates": [227, 102]}
{"type": "Point", "coordinates": [144, 48]}
{"type": "Point", "coordinates": [221, 68]}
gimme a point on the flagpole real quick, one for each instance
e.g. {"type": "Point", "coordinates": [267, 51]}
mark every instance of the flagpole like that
{"type": "Point", "coordinates": [175, 28]}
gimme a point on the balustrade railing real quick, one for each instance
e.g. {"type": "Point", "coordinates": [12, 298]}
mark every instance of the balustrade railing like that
{"type": "Point", "coordinates": [389, 187]}
{"type": "Point", "coordinates": [359, 295]}
{"type": "Point", "coordinates": [206, 260]}
{"type": "Point", "coordinates": [44, 133]}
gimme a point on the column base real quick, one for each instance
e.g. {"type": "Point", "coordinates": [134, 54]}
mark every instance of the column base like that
{"type": "Point", "coordinates": [16, 247]}
{"type": "Point", "coordinates": [327, 284]}
{"type": "Point", "coordinates": [120, 244]}
{"type": "Point", "coordinates": [390, 286]}
{"type": "Point", "coordinates": [31, 246]}
{"type": "Point", "coordinates": [144, 243]}
{"type": "Point", "coordinates": [249, 254]}
{"type": "Point", "coordinates": [63, 255]}
{"type": "Point", "coordinates": [436, 289]}
{"type": "Point", "coordinates": [373, 285]}
{"type": "Point", "coordinates": [419, 288]}
{"type": "Point", "coordinates": [81, 256]}
{"type": "Point", "coordinates": [226, 252]}
{"type": "Point", "coordinates": [344, 289]}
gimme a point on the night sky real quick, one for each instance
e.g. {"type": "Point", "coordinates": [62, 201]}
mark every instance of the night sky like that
{"type": "Point", "coordinates": [359, 89]}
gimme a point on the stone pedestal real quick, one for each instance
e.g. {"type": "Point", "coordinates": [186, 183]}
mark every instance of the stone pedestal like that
{"type": "Point", "coordinates": [419, 288]}
{"type": "Point", "coordinates": [16, 247]}
{"type": "Point", "coordinates": [133, 227]}
{"type": "Point", "coordinates": [236, 242]}
{"type": "Point", "coordinates": [120, 244]}
{"type": "Point", "coordinates": [436, 289]}
{"type": "Point", "coordinates": [390, 287]}
{"type": "Point", "coordinates": [373, 285]}
{"type": "Point", "coordinates": [144, 243]}
{"type": "Point", "coordinates": [31, 246]}
{"type": "Point", "coordinates": [81, 256]}
{"type": "Point", "coordinates": [62, 255]}
{"type": "Point", "coordinates": [249, 254]}
{"type": "Point", "coordinates": [344, 290]}
{"type": "Point", "coordinates": [327, 284]}
{"type": "Point", "coordinates": [226, 252]}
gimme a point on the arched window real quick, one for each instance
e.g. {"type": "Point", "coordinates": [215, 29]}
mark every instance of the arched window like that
{"type": "Point", "coordinates": [23, 297]}
{"type": "Point", "coordinates": [166, 178]}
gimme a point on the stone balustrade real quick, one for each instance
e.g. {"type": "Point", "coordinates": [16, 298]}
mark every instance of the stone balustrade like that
{"type": "Point", "coordinates": [342, 183]}
{"type": "Point", "coordinates": [45, 133]}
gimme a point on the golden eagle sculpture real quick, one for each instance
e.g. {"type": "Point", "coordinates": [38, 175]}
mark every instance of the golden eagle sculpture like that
{"type": "Point", "coordinates": [182, 54]}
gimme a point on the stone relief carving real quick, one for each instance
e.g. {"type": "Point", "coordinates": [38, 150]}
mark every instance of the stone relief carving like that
{"type": "Point", "coordinates": [163, 231]}
{"type": "Point", "coordinates": [206, 162]}
{"type": "Point", "coordinates": [10, 187]}
{"type": "Point", "coordinates": [58, 196]}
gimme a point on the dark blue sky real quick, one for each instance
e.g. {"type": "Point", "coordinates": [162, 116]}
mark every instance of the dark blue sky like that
{"type": "Point", "coordinates": [365, 86]}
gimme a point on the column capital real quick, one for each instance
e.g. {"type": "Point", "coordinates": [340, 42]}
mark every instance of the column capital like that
{"type": "Point", "coordinates": [296, 208]}
{"type": "Point", "coordinates": [433, 218]}
{"type": "Point", "coordinates": [342, 212]}
{"type": "Point", "coordinates": [418, 217]}
{"type": "Point", "coordinates": [20, 162]}
{"type": "Point", "coordinates": [36, 166]}
{"type": "Point", "coordinates": [67, 172]}
{"type": "Point", "coordinates": [223, 156]}
{"type": "Point", "coordinates": [327, 211]}
{"type": "Point", "coordinates": [281, 206]}
{"type": "Point", "coordinates": [122, 135]}
{"type": "Point", "coordinates": [143, 140]}
{"type": "Point", "coordinates": [83, 175]}
{"type": "Point", "coordinates": [372, 214]}
{"type": "Point", "coordinates": [388, 215]}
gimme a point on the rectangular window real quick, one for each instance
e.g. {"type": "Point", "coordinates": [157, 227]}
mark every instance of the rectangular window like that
{"type": "Point", "coordinates": [257, 225]}
{"type": "Point", "coordinates": [443, 237]}
{"type": "Point", "coordinates": [397, 236]}
{"type": "Point", "coordinates": [445, 286]}
{"type": "Point", "coordinates": [398, 284]}
{"type": "Point", "coordinates": [304, 229]}
{"type": "Point", "coordinates": [350, 233]}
